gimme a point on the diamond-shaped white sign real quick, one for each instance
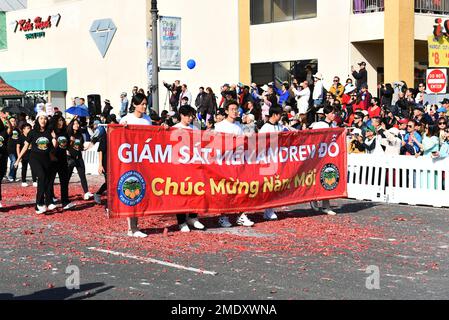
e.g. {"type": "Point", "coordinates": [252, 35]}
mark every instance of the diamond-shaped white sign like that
{"type": "Point", "coordinates": [103, 31]}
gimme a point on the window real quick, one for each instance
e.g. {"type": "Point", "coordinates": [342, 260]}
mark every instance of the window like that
{"type": "Point", "coordinates": [267, 11]}
{"type": "Point", "coordinates": [263, 73]}
{"type": "Point", "coordinates": [305, 9]}
{"type": "Point", "coordinates": [3, 41]}
{"type": "Point", "coordinates": [260, 11]}
{"type": "Point", "coordinates": [282, 10]}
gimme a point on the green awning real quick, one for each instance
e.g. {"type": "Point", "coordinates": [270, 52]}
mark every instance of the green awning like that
{"type": "Point", "coordinates": [37, 80]}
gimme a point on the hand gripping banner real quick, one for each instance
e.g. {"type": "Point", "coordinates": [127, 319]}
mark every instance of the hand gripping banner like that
{"type": "Point", "coordinates": [154, 171]}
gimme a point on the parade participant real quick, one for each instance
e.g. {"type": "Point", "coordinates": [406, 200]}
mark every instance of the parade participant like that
{"type": "Point", "coordinates": [13, 141]}
{"type": "Point", "coordinates": [327, 123]}
{"type": "Point", "coordinates": [187, 113]}
{"type": "Point", "coordinates": [26, 129]}
{"type": "Point", "coordinates": [61, 167]}
{"type": "Point", "coordinates": [5, 131]}
{"type": "Point", "coordinates": [75, 157]}
{"type": "Point", "coordinates": [138, 117]}
{"type": "Point", "coordinates": [42, 142]}
{"type": "Point", "coordinates": [272, 126]}
{"type": "Point", "coordinates": [231, 126]}
{"type": "Point", "coordinates": [102, 168]}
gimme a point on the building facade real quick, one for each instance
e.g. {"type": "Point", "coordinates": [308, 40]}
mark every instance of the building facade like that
{"type": "Point", "coordinates": [78, 48]}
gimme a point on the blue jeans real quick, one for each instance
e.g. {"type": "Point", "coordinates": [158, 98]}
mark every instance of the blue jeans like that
{"type": "Point", "coordinates": [317, 102]}
{"type": "Point", "coordinates": [12, 170]}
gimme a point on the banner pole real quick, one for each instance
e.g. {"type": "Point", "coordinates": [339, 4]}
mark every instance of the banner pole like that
{"type": "Point", "coordinates": [155, 52]}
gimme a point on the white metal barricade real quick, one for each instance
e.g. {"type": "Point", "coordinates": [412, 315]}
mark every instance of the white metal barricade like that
{"type": "Point", "coordinates": [398, 179]}
{"type": "Point", "coordinates": [91, 160]}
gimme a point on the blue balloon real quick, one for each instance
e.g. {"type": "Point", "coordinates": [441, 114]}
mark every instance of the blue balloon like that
{"type": "Point", "coordinates": [191, 64]}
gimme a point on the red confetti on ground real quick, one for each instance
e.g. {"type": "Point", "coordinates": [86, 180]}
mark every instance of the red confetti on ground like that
{"type": "Point", "coordinates": [89, 226]}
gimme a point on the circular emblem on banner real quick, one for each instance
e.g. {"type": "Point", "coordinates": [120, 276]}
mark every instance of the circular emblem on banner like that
{"type": "Point", "coordinates": [131, 188]}
{"type": "Point", "coordinates": [330, 177]}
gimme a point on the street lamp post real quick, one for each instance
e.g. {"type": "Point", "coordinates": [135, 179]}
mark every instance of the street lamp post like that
{"type": "Point", "coordinates": [155, 57]}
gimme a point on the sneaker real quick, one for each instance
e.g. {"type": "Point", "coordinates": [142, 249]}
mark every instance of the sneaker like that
{"type": "Point", "coordinates": [315, 206]}
{"type": "Point", "coordinates": [270, 215]}
{"type": "Point", "coordinates": [184, 228]}
{"type": "Point", "coordinates": [1, 205]}
{"type": "Point", "coordinates": [196, 224]}
{"type": "Point", "coordinates": [88, 195]}
{"type": "Point", "coordinates": [24, 184]}
{"type": "Point", "coordinates": [41, 209]}
{"type": "Point", "coordinates": [52, 207]}
{"type": "Point", "coordinates": [10, 179]}
{"type": "Point", "coordinates": [224, 222]}
{"type": "Point", "coordinates": [244, 221]}
{"type": "Point", "coordinates": [329, 212]}
{"type": "Point", "coordinates": [18, 180]}
{"type": "Point", "coordinates": [137, 234]}
{"type": "Point", "coordinates": [35, 184]}
{"type": "Point", "coordinates": [69, 206]}
{"type": "Point", "coordinates": [55, 200]}
{"type": "Point", "coordinates": [97, 198]}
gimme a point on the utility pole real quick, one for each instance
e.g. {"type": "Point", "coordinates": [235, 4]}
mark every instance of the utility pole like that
{"type": "Point", "coordinates": [155, 57]}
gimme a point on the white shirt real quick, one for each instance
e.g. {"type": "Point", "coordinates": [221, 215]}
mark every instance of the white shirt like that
{"type": "Point", "coordinates": [227, 127]}
{"type": "Point", "coordinates": [318, 90]}
{"type": "Point", "coordinates": [322, 125]}
{"type": "Point", "coordinates": [269, 128]}
{"type": "Point", "coordinates": [181, 126]}
{"type": "Point", "coordinates": [132, 119]}
{"type": "Point", "coordinates": [303, 98]}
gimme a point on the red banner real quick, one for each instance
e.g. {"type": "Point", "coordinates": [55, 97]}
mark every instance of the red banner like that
{"type": "Point", "coordinates": [156, 171]}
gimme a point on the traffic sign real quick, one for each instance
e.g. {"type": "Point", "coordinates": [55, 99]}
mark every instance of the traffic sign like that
{"type": "Point", "coordinates": [436, 81]}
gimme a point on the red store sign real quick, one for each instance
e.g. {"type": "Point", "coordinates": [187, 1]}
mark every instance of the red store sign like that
{"type": "Point", "coordinates": [37, 23]}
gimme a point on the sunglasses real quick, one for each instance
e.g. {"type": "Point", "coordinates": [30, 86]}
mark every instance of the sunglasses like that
{"type": "Point", "coordinates": [445, 123]}
{"type": "Point", "coordinates": [410, 126]}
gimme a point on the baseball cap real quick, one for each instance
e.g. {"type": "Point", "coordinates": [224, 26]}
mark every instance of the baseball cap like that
{"type": "Point", "coordinates": [107, 101]}
{"type": "Point", "coordinates": [445, 101]}
{"type": "Point", "coordinates": [124, 94]}
{"type": "Point", "coordinates": [403, 121]}
{"type": "Point", "coordinates": [318, 75]}
{"type": "Point", "coordinates": [357, 131]}
{"type": "Point", "coordinates": [441, 110]}
{"type": "Point", "coordinates": [371, 128]}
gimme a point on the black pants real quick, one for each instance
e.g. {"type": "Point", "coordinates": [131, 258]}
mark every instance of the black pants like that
{"type": "Point", "coordinates": [62, 170]}
{"type": "Point", "coordinates": [79, 165]}
{"type": "Point", "coordinates": [25, 163]}
{"type": "Point", "coordinates": [182, 218]}
{"type": "Point", "coordinates": [3, 168]}
{"type": "Point", "coordinates": [104, 186]}
{"type": "Point", "coordinates": [41, 166]}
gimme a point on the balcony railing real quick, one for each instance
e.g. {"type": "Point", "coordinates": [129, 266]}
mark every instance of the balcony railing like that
{"type": "Point", "coordinates": [421, 6]}
{"type": "Point", "coordinates": [432, 6]}
{"type": "Point", "coordinates": [368, 6]}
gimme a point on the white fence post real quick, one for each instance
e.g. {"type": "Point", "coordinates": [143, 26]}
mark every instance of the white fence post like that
{"type": "Point", "coordinates": [398, 179]}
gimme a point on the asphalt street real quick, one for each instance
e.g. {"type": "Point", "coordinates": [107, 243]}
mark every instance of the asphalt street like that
{"type": "Point", "coordinates": [302, 256]}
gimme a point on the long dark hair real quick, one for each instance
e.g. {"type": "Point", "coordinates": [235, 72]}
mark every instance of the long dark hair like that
{"type": "Point", "coordinates": [54, 124]}
{"type": "Point", "coordinates": [37, 126]}
{"type": "Point", "coordinates": [70, 131]}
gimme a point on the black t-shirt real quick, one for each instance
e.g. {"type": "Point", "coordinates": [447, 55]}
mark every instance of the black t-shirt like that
{"type": "Point", "coordinates": [63, 142]}
{"type": "Point", "coordinates": [41, 142]}
{"type": "Point", "coordinates": [14, 140]}
{"type": "Point", "coordinates": [4, 137]}
{"type": "Point", "coordinates": [103, 147]}
{"type": "Point", "coordinates": [76, 145]}
{"type": "Point", "coordinates": [22, 140]}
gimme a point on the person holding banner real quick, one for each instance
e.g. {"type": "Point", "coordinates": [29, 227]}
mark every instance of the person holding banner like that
{"type": "Point", "coordinates": [231, 126]}
{"type": "Point", "coordinates": [138, 117]}
{"type": "Point", "coordinates": [273, 126]}
{"type": "Point", "coordinates": [327, 123]}
{"type": "Point", "coordinates": [187, 114]}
